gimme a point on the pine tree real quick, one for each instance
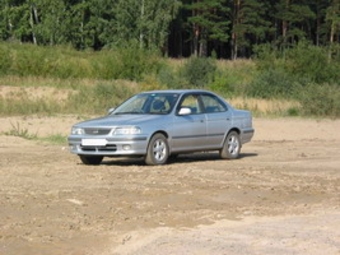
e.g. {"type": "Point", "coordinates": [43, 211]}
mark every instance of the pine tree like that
{"type": "Point", "coordinates": [250, 26]}
{"type": "Point", "coordinates": [208, 21]}
{"type": "Point", "coordinates": [294, 17]}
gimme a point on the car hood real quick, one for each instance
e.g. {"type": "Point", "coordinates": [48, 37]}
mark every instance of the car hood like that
{"type": "Point", "coordinates": [121, 120]}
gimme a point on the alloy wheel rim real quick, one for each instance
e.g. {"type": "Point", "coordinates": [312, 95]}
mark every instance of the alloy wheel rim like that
{"type": "Point", "coordinates": [233, 145]}
{"type": "Point", "coordinates": [159, 150]}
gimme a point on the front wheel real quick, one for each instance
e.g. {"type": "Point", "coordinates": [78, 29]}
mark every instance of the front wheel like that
{"type": "Point", "coordinates": [91, 160]}
{"type": "Point", "coordinates": [158, 150]}
{"type": "Point", "coordinates": [231, 147]}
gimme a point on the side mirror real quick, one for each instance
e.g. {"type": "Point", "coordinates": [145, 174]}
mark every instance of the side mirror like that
{"type": "Point", "coordinates": [184, 111]}
{"type": "Point", "coordinates": [109, 111]}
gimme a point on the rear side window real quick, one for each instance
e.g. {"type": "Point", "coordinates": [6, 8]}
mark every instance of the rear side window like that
{"type": "Point", "coordinates": [213, 104]}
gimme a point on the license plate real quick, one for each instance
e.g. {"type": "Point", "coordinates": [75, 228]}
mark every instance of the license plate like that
{"type": "Point", "coordinates": [93, 142]}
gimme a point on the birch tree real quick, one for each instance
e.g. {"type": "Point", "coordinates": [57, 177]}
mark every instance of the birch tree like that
{"type": "Point", "coordinates": [144, 23]}
{"type": "Point", "coordinates": [333, 18]}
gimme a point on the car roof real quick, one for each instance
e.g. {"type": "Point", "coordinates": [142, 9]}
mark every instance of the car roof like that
{"type": "Point", "coordinates": [179, 91]}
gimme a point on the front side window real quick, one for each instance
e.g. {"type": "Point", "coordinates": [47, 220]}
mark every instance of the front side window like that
{"type": "Point", "coordinates": [192, 102]}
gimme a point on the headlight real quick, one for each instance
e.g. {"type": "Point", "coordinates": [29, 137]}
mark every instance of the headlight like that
{"type": "Point", "coordinates": [77, 131]}
{"type": "Point", "coordinates": [127, 131]}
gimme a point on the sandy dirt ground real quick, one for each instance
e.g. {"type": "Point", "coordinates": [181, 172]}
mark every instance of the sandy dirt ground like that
{"type": "Point", "coordinates": [282, 196]}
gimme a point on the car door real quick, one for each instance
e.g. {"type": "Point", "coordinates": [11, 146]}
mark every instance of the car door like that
{"type": "Point", "coordinates": [218, 120]}
{"type": "Point", "coordinates": [189, 131]}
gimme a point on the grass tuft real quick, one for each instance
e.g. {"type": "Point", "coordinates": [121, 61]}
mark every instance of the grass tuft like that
{"type": "Point", "coordinates": [19, 131]}
{"type": "Point", "coordinates": [57, 139]}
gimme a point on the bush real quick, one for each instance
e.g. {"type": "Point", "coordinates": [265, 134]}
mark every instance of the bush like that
{"type": "Point", "coordinates": [168, 77]}
{"type": "Point", "coordinates": [198, 72]}
{"type": "Point", "coordinates": [321, 100]}
{"type": "Point", "coordinates": [306, 62]}
{"type": "Point", "coordinates": [62, 62]}
{"type": "Point", "coordinates": [57, 62]}
{"type": "Point", "coordinates": [96, 99]}
{"type": "Point", "coordinates": [310, 62]}
{"type": "Point", "coordinates": [273, 83]}
{"type": "Point", "coordinates": [5, 60]}
{"type": "Point", "coordinates": [223, 84]}
{"type": "Point", "coordinates": [129, 63]}
{"type": "Point", "coordinates": [132, 63]}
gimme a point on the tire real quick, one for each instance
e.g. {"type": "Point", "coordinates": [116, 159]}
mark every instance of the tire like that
{"type": "Point", "coordinates": [172, 158]}
{"type": "Point", "coordinates": [91, 160]}
{"type": "Point", "coordinates": [158, 150]}
{"type": "Point", "coordinates": [231, 147]}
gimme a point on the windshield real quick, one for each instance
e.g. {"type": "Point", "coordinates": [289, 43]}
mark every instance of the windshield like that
{"type": "Point", "coordinates": [148, 103]}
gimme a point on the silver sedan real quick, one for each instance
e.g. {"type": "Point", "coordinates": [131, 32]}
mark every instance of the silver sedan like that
{"type": "Point", "coordinates": [160, 124]}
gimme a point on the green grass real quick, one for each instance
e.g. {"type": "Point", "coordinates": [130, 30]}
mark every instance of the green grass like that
{"type": "Point", "coordinates": [60, 80]}
{"type": "Point", "coordinates": [57, 139]}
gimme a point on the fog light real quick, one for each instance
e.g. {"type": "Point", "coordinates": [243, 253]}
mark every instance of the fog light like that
{"type": "Point", "coordinates": [126, 147]}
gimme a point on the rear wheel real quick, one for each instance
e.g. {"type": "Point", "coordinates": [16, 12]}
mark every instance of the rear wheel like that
{"type": "Point", "coordinates": [158, 150]}
{"type": "Point", "coordinates": [231, 147]}
{"type": "Point", "coordinates": [91, 160]}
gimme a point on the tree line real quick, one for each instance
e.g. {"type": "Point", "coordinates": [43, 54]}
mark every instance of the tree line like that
{"type": "Point", "coordinates": [179, 28]}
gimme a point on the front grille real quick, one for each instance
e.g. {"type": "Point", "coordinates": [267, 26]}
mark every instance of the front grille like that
{"type": "Point", "coordinates": [97, 131]}
{"type": "Point", "coordinates": [107, 148]}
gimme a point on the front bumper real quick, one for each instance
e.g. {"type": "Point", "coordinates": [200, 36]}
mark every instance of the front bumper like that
{"type": "Point", "coordinates": [113, 146]}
